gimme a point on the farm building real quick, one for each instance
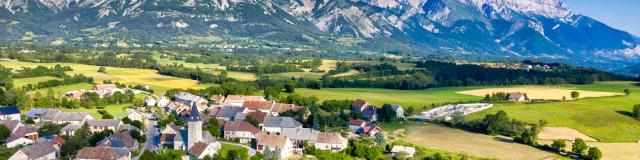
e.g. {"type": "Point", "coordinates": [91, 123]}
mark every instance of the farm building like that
{"type": "Point", "coordinates": [9, 113]}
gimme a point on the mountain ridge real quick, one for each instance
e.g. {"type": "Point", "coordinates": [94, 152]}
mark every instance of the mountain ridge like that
{"type": "Point", "coordinates": [482, 29]}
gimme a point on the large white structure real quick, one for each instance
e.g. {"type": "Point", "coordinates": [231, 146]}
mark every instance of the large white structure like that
{"type": "Point", "coordinates": [448, 111]}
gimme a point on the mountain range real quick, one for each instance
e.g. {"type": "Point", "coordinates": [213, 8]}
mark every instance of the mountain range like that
{"type": "Point", "coordinates": [471, 29]}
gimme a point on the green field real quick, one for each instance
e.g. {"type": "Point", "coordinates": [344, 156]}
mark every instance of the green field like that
{"type": "Point", "coordinates": [605, 119]}
{"type": "Point", "coordinates": [117, 110]}
{"type": "Point", "coordinates": [129, 76]}
{"type": "Point", "coordinates": [19, 82]}
{"type": "Point", "coordinates": [288, 75]}
{"type": "Point", "coordinates": [227, 147]}
{"type": "Point", "coordinates": [416, 98]}
{"type": "Point", "coordinates": [60, 90]}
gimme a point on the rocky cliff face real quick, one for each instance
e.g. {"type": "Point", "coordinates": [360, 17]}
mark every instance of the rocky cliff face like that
{"type": "Point", "coordinates": [494, 29]}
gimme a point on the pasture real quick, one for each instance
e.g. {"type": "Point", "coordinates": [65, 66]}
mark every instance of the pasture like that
{"type": "Point", "coordinates": [417, 98]}
{"type": "Point", "coordinates": [19, 82]}
{"type": "Point", "coordinates": [540, 92]}
{"type": "Point", "coordinates": [288, 75]}
{"type": "Point", "coordinates": [605, 119]}
{"type": "Point", "coordinates": [455, 140]}
{"type": "Point", "coordinates": [117, 110]}
{"type": "Point", "coordinates": [129, 76]}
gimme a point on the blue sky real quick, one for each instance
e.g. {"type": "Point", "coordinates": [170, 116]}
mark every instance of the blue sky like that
{"type": "Point", "coordinates": [620, 14]}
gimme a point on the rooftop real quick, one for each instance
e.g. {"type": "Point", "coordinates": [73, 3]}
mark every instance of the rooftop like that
{"type": "Point", "coordinates": [284, 122]}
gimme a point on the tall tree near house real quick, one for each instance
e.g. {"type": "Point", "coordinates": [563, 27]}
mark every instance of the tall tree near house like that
{"type": "Point", "coordinates": [4, 133]}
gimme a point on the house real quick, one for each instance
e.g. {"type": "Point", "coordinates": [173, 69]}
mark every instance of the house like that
{"type": "Point", "coordinates": [119, 140]}
{"type": "Point", "coordinates": [134, 115]}
{"type": "Point", "coordinates": [68, 117]}
{"type": "Point", "coordinates": [330, 141]}
{"type": "Point", "coordinates": [276, 124]}
{"type": "Point", "coordinates": [55, 140]}
{"type": "Point", "coordinates": [359, 105]}
{"type": "Point", "coordinates": [36, 114]}
{"type": "Point", "coordinates": [299, 136]}
{"type": "Point", "coordinates": [20, 135]}
{"type": "Point", "coordinates": [103, 153]}
{"type": "Point", "coordinates": [258, 116]}
{"type": "Point", "coordinates": [9, 113]}
{"type": "Point", "coordinates": [371, 130]}
{"type": "Point", "coordinates": [279, 108]}
{"type": "Point", "coordinates": [410, 151]}
{"type": "Point", "coordinates": [262, 106]}
{"type": "Point", "coordinates": [171, 137]}
{"type": "Point", "coordinates": [99, 125]}
{"type": "Point", "coordinates": [238, 100]}
{"type": "Point", "coordinates": [398, 110]}
{"type": "Point", "coordinates": [241, 130]}
{"type": "Point", "coordinates": [104, 90]}
{"type": "Point", "coordinates": [40, 151]}
{"type": "Point", "coordinates": [201, 150]}
{"type": "Point", "coordinates": [150, 101]}
{"type": "Point", "coordinates": [229, 113]}
{"type": "Point", "coordinates": [356, 124]}
{"type": "Point", "coordinates": [517, 97]}
{"type": "Point", "coordinates": [162, 101]}
{"type": "Point", "coordinates": [272, 141]}
{"type": "Point", "coordinates": [77, 94]}
{"type": "Point", "coordinates": [70, 129]}
{"type": "Point", "coordinates": [217, 99]}
{"type": "Point", "coordinates": [369, 114]}
{"type": "Point", "coordinates": [189, 100]}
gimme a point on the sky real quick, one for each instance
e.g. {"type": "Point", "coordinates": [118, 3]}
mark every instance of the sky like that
{"type": "Point", "coordinates": [620, 14]}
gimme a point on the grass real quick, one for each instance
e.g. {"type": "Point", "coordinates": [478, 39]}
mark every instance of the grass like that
{"type": "Point", "coordinates": [128, 76]}
{"type": "Point", "coordinates": [455, 140]}
{"type": "Point", "coordinates": [288, 75]}
{"type": "Point", "coordinates": [227, 147]}
{"type": "Point", "coordinates": [60, 90]}
{"type": "Point", "coordinates": [5, 152]}
{"type": "Point", "coordinates": [422, 152]}
{"type": "Point", "coordinates": [19, 82]}
{"type": "Point", "coordinates": [406, 98]}
{"type": "Point", "coordinates": [117, 110]}
{"type": "Point", "coordinates": [605, 119]}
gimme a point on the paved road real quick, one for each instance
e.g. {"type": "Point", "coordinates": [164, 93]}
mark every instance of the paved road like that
{"type": "Point", "coordinates": [152, 137]}
{"type": "Point", "coordinates": [251, 150]}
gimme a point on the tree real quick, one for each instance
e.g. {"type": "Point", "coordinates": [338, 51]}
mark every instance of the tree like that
{"type": "Point", "coordinates": [4, 133]}
{"type": "Point", "coordinates": [135, 134]}
{"type": "Point", "coordinates": [214, 127]}
{"type": "Point", "coordinates": [49, 129]}
{"type": "Point", "coordinates": [290, 86]}
{"type": "Point", "coordinates": [102, 69]}
{"type": "Point", "coordinates": [636, 111]}
{"type": "Point", "coordinates": [575, 94]}
{"type": "Point", "coordinates": [267, 152]}
{"type": "Point", "coordinates": [137, 124]}
{"type": "Point", "coordinates": [380, 139]}
{"type": "Point", "coordinates": [594, 154]}
{"type": "Point", "coordinates": [579, 147]}
{"type": "Point", "coordinates": [564, 98]}
{"type": "Point", "coordinates": [276, 153]}
{"type": "Point", "coordinates": [147, 155]}
{"type": "Point", "coordinates": [105, 114]}
{"type": "Point", "coordinates": [558, 145]}
{"type": "Point", "coordinates": [627, 92]}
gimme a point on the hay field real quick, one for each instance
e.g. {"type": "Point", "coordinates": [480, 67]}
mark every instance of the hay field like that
{"type": "Point", "coordinates": [159, 83]}
{"type": "Point", "coordinates": [610, 151]}
{"type": "Point", "coordinates": [553, 133]}
{"type": "Point", "coordinates": [455, 140]}
{"type": "Point", "coordinates": [540, 92]}
{"type": "Point", "coordinates": [328, 65]}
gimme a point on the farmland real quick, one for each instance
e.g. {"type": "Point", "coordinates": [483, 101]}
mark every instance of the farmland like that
{"type": "Point", "coordinates": [19, 82]}
{"type": "Point", "coordinates": [540, 92]}
{"type": "Point", "coordinates": [605, 119]}
{"type": "Point", "coordinates": [416, 98]}
{"type": "Point", "coordinates": [454, 140]}
{"type": "Point", "coordinates": [157, 82]}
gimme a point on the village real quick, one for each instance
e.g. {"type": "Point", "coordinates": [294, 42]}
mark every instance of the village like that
{"type": "Point", "coordinates": [251, 122]}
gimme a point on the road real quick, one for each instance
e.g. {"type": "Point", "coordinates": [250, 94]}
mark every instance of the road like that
{"type": "Point", "coordinates": [153, 136]}
{"type": "Point", "coordinates": [249, 149]}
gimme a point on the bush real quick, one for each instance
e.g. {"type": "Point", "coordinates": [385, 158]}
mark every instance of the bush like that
{"type": "Point", "coordinates": [636, 111]}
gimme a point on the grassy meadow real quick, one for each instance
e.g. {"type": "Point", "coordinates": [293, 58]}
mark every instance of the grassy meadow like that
{"type": "Point", "coordinates": [378, 97]}
{"type": "Point", "coordinates": [19, 82]}
{"type": "Point", "coordinates": [605, 119]}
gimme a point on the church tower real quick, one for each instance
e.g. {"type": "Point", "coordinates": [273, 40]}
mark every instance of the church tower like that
{"type": "Point", "coordinates": [195, 127]}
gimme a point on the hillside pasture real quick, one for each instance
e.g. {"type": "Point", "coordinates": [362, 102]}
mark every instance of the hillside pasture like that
{"type": "Point", "coordinates": [553, 133]}
{"type": "Point", "coordinates": [406, 98]}
{"type": "Point", "coordinates": [540, 92]}
{"type": "Point", "coordinates": [129, 76]}
{"type": "Point", "coordinates": [19, 82]}
{"type": "Point", "coordinates": [605, 119]}
{"type": "Point", "coordinates": [610, 150]}
{"type": "Point", "coordinates": [455, 140]}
